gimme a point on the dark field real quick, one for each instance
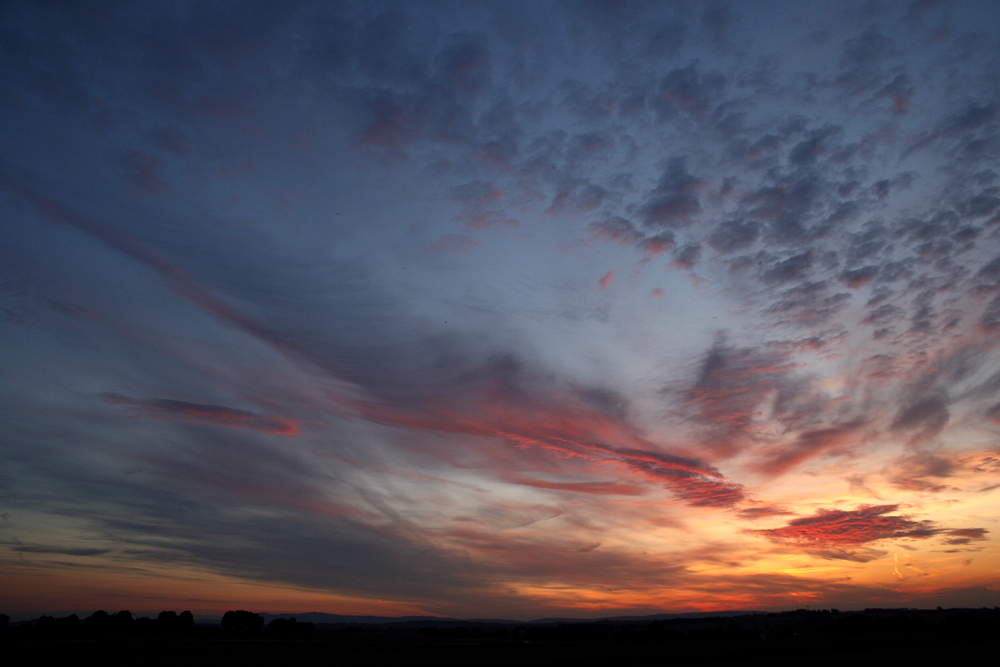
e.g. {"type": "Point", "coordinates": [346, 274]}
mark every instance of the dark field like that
{"type": "Point", "coordinates": [875, 637]}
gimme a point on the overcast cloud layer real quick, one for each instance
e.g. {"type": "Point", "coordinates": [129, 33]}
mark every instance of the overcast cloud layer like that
{"type": "Point", "coordinates": [499, 309]}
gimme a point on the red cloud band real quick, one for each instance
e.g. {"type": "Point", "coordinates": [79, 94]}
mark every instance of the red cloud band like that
{"type": "Point", "coordinates": [847, 528]}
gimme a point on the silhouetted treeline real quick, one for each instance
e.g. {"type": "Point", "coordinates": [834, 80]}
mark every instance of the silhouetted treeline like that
{"type": "Point", "coordinates": [242, 620]}
{"type": "Point", "coordinates": [289, 627]}
{"type": "Point", "coordinates": [101, 624]}
{"type": "Point", "coordinates": [751, 628]}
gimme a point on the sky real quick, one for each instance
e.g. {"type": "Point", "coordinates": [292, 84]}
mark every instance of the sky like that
{"type": "Point", "coordinates": [499, 309]}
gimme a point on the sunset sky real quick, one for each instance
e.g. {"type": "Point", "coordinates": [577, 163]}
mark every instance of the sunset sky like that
{"type": "Point", "coordinates": [499, 309]}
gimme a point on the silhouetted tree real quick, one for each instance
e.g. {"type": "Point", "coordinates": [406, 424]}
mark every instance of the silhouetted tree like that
{"type": "Point", "coordinates": [171, 622]}
{"type": "Point", "coordinates": [122, 620]}
{"type": "Point", "coordinates": [242, 620]}
{"type": "Point", "coordinates": [4, 621]}
{"type": "Point", "coordinates": [97, 622]}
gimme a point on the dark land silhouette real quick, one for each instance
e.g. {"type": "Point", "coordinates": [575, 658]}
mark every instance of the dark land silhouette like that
{"type": "Point", "coordinates": [822, 637]}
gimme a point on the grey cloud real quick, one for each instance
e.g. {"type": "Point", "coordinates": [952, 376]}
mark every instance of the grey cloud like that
{"type": "Point", "coordinates": [688, 256]}
{"type": "Point", "coordinates": [991, 315]}
{"type": "Point", "coordinates": [787, 205]}
{"type": "Point", "coordinates": [923, 471]}
{"type": "Point", "coordinates": [809, 149]}
{"type": "Point", "coordinates": [733, 235]}
{"type": "Point", "coordinates": [57, 550]}
{"type": "Point", "coordinates": [855, 278]}
{"type": "Point", "coordinates": [588, 106]}
{"type": "Point", "coordinates": [729, 386]}
{"type": "Point", "coordinates": [690, 90]}
{"type": "Point", "coordinates": [617, 230]}
{"type": "Point", "coordinates": [793, 268]}
{"type": "Point", "coordinates": [809, 303]}
{"type": "Point", "coordinates": [674, 200]}
{"type": "Point", "coordinates": [717, 18]}
{"type": "Point", "coordinates": [862, 62]}
{"type": "Point", "coordinates": [464, 62]}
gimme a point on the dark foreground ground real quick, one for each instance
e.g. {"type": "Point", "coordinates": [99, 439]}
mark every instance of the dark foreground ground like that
{"type": "Point", "coordinates": [883, 637]}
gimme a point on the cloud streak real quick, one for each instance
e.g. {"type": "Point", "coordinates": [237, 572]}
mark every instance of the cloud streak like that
{"type": "Point", "coordinates": [165, 408]}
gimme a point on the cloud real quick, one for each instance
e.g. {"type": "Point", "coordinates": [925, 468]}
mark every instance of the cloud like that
{"type": "Point", "coordinates": [454, 244]}
{"type": "Point", "coordinates": [731, 385]}
{"type": "Point", "coordinates": [675, 199]}
{"type": "Point", "coordinates": [965, 535]}
{"type": "Point", "coordinates": [734, 235]}
{"type": "Point", "coordinates": [406, 136]}
{"type": "Point", "coordinates": [762, 511]}
{"type": "Point", "coordinates": [594, 488]}
{"type": "Point", "coordinates": [923, 471]}
{"type": "Point", "coordinates": [687, 257]}
{"type": "Point", "coordinates": [217, 415]}
{"type": "Point", "coordinates": [812, 443]}
{"type": "Point", "coordinates": [56, 550]}
{"type": "Point", "coordinates": [141, 172]}
{"type": "Point", "coordinates": [464, 62]}
{"type": "Point", "coordinates": [841, 529]}
{"type": "Point", "coordinates": [926, 416]}
{"type": "Point", "coordinates": [616, 230]}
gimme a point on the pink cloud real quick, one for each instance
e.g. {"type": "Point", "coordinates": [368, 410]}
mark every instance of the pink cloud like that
{"type": "Point", "coordinates": [606, 280]}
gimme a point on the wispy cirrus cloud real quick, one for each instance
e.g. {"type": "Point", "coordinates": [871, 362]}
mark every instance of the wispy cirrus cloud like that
{"type": "Point", "coordinates": [217, 415]}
